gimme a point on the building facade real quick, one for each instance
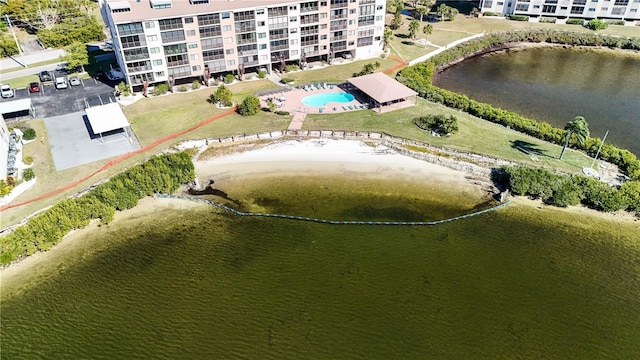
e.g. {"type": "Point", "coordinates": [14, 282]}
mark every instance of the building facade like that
{"type": "Point", "coordinates": [615, 10]}
{"type": "Point", "coordinates": [171, 40]}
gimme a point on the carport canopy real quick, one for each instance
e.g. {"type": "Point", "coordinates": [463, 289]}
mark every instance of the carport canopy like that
{"type": "Point", "coordinates": [106, 118]}
{"type": "Point", "coordinates": [17, 106]}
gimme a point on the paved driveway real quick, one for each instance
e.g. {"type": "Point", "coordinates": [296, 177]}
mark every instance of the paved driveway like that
{"type": "Point", "coordinates": [51, 102]}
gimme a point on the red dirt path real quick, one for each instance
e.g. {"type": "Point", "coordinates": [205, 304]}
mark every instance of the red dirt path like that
{"type": "Point", "coordinates": [397, 67]}
{"type": "Point", "coordinates": [123, 157]}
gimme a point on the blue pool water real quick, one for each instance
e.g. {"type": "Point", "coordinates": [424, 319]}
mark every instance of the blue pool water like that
{"type": "Point", "coordinates": [324, 99]}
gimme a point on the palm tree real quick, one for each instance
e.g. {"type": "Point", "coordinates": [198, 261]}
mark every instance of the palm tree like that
{"type": "Point", "coordinates": [427, 30]}
{"type": "Point", "coordinates": [422, 11]}
{"type": "Point", "coordinates": [577, 128]}
{"type": "Point", "coordinates": [388, 33]}
{"type": "Point", "coordinates": [414, 25]}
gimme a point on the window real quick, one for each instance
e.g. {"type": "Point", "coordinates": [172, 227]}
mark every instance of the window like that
{"type": "Point", "coordinates": [149, 25]}
{"type": "Point", "coordinates": [351, 43]}
{"type": "Point", "coordinates": [135, 54]}
{"type": "Point", "coordinates": [172, 36]}
{"type": "Point", "coordinates": [231, 63]}
{"type": "Point", "coordinates": [323, 37]}
{"type": "Point", "coordinates": [293, 30]}
{"type": "Point", "coordinates": [195, 68]}
{"type": "Point", "coordinates": [379, 18]}
{"type": "Point", "coordinates": [522, 7]}
{"type": "Point", "coordinates": [228, 40]}
{"type": "Point", "coordinates": [294, 52]}
{"type": "Point", "coordinates": [152, 37]}
{"type": "Point", "coordinates": [213, 55]}
{"type": "Point", "coordinates": [213, 43]}
{"type": "Point", "coordinates": [323, 16]}
{"type": "Point", "coordinates": [577, 9]}
{"type": "Point", "coordinates": [175, 49]}
{"type": "Point", "coordinates": [351, 22]}
{"type": "Point", "coordinates": [157, 62]}
{"type": "Point", "coordinates": [193, 46]}
{"type": "Point", "coordinates": [191, 33]}
{"type": "Point", "coordinates": [229, 51]}
{"type": "Point", "coordinates": [379, 7]}
{"type": "Point", "coordinates": [259, 11]}
{"type": "Point", "coordinates": [225, 15]}
{"type": "Point", "coordinates": [154, 50]}
{"type": "Point", "coordinates": [323, 3]}
{"type": "Point", "coordinates": [188, 20]}
{"type": "Point", "coordinates": [264, 57]}
{"type": "Point", "coordinates": [592, 9]}
{"type": "Point", "coordinates": [226, 28]}
{"type": "Point", "coordinates": [180, 71]}
{"type": "Point", "coordinates": [293, 41]}
{"type": "Point", "coordinates": [352, 11]}
{"type": "Point", "coordinates": [194, 56]}
{"type": "Point", "coordinates": [294, 7]}
{"type": "Point", "coordinates": [500, 3]}
{"type": "Point", "coordinates": [262, 35]}
{"type": "Point", "coordinates": [263, 47]}
{"type": "Point", "coordinates": [160, 73]}
{"type": "Point", "coordinates": [262, 23]}
{"type": "Point", "coordinates": [549, 8]}
{"type": "Point", "coordinates": [130, 29]}
{"type": "Point", "coordinates": [352, 32]}
{"type": "Point", "coordinates": [170, 24]}
{"type": "Point", "coordinates": [323, 26]}
{"type": "Point", "coordinates": [208, 19]}
{"type": "Point", "coordinates": [210, 31]}
{"type": "Point", "coordinates": [293, 19]}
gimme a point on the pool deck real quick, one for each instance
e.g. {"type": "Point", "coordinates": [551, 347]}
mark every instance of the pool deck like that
{"type": "Point", "coordinates": [293, 102]}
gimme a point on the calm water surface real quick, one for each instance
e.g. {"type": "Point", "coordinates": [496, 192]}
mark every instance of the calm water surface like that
{"type": "Point", "coordinates": [557, 84]}
{"type": "Point", "coordinates": [517, 283]}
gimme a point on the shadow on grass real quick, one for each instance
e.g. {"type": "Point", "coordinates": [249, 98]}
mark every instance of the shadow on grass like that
{"type": "Point", "coordinates": [528, 148]}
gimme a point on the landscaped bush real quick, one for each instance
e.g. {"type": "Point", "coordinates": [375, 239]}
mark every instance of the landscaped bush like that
{"type": "Point", "coordinates": [286, 80]}
{"type": "Point", "coordinates": [28, 160]}
{"type": "Point", "coordinates": [195, 85]}
{"type": "Point", "coordinates": [280, 112]}
{"type": "Point", "coordinates": [124, 88]}
{"type": "Point", "coordinates": [565, 190]}
{"type": "Point", "coordinates": [160, 89]}
{"type": "Point", "coordinates": [368, 68]}
{"type": "Point", "coordinates": [229, 78]}
{"type": "Point", "coordinates": [419, 76]}
{"type": "Point", "coordinates": [575, 22]}
{"type": "Point", "coordinates": [491, 13]}
{"type": "Point", "coordinates": [597, 24]}
{"type": "Point", "coordinates": [439, 124]}
{"type": "Point", "coordinates": [5, 188]}
{"type": "Point", "coordinates": [548, 20]}
{"type": "Point", "coordinates": [615, 22]}
{"type": "Point", "coordinates": [182, 88]}
{"type": "Point", "coordinates": [28, 134]}
{"type": "Point", "coordinates": [250, 106]}
{"type": "Point", "coordinates": [262, 74]}
{"type": "Point", "coordinates": [291, 67]}
{"type": "Point", "coordinates": [28, 174]}
{"type": "Point", "coordinates": [164, 173]}
{"type": "Point", "coordinates": [518, 17]}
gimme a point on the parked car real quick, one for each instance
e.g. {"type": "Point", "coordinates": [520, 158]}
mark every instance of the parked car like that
{"type": "Point", "coordinates": [61, 83]}
{"type": "Point", "coordinates": [346, 55]}
{"type": "Point", "coordinates": [74, 81]}
{"type": "Point", "coordinates": [6, 91]}
{"type": "Point", "coordinates": [34, 87]}
{"type": "Point", "coordinates": [45, 76]}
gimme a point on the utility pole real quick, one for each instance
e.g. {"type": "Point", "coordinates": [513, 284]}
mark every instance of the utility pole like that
{"type": "Point", "coordinates": [599, 147]}
{"type": "Point", "coordinates": [15, 39]}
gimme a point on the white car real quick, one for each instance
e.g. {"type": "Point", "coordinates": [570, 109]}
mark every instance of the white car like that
{"type": "Point", "coordinates": [61, 83]}
{"type": "Point", "coordinates": [6, 91]}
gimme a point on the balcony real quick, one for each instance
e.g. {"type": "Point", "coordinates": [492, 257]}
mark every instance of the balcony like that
{"type": "Point", "coordinates": [250, 63]}
{"type": "Point", "coordinates": [365, 2]}
{"type": "Point", "coordinates": [276, 13]}
{"type": "Point", "coordinates": [245, 17]}
{"type": "Point", "coordinates": [245, 29]}
{"type": "Point", "coordinates": [366, 22]}
{"type": "Point", "coordinates": [308, 9]}
{"type": "Point", "coordinates": [248, 52]}
{"type": "Point", "coordinates": [278, 36]}
{"type": "Point", "coordinates": [338, 38]}
{"type": "Point", "coordinates": [309, 43]}
{"type": "Point", "coordinates": [135, 69]}
{"type": "Point", "coordinates": [338, 47]}
{"type": "Point", "coordinates": [339, 4]}
{"type": "Point", "coordinates": [177, 63]}
{"type": "Point", "coordinates": [280, 47]}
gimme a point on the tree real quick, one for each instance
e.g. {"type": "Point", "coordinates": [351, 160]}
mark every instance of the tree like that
{"type": "Point", "coordinates": [427, 30]}
{"type": "Point", "coordinates": [422, 11]}
{"type": "Point", "coordinates": [597, 24]}
{"type": "Point", "coordinates": [388, 33]}
{"type": "Point", "coordinates": [75, 56]}
{"type": "Point", "coordinates": [578, 129]}
{"type": "Point", "coordinates": [222, 97]}
{"type": "Point", "coordinates": [8, 46]}
{"type": "Point", "coordinates": [447, 12]}
{"type": "Point", "coordinates": [414, 25]}
{"type": "Point", "coordinates": [397, 20]}
{"type": "Point", "coordinates": [250, 106]}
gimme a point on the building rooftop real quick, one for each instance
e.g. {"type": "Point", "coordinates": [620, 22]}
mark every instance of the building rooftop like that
{"type": "Point", "coordinates": [382, 88]}
{"type": "Point", "coordinates": [140, 10]}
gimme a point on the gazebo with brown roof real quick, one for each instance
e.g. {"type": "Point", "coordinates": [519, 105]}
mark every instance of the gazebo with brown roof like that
{"type": "Point", "coordinates": [384, 90]}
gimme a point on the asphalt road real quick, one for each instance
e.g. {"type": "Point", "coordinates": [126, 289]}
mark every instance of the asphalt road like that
{"type": "Point", "coordinates": [53, 102]}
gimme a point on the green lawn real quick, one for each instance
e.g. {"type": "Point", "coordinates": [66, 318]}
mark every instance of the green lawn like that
{"type": "Point", "coordinates": [475, 135]}
{"type": "Point", "coordinates": [41, 63]}
{"type": "Point", "coordinates": [338, 72]}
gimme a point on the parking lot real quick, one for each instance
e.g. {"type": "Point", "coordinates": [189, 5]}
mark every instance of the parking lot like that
{"type": "Point", "coordinates": [49, 101]}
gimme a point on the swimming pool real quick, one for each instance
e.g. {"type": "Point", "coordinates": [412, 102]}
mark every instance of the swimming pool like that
{"type": "Point", "coordinates": [324, 99]}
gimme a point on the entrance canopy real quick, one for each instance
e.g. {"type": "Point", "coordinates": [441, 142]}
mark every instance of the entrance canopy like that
{"type": "Point", "coordinates": [105, 118]}
{"type": "Point", "coordinates": [381, 88]}
{"type": "Point", "coordinates": [16, 106]}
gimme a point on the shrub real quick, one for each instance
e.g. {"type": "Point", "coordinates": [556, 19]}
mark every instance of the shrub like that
{"type": "Point", "coordinates": [160, 89]}
{"type": "Point", "coordinates": [28, 160]}
{"type": "Point", "coordinates": [124, 88]}
{"type": "Point", "coordinates": [5, 188]}
{"type": "Point", "coordinates": [575, 22]}
{"type": "Point", "coordinates": [250, 106]}
{"type": "Point", "coordinates": [195, 85]}
{"type": "Point", "coordinates": [369, 68]}
{"type": "Point", "coordinates": [491, 13]}
{"type": "Point", "coordinates": [548, 20]}
{"type": "Point", "coordinates": [518, 17]}
{"type": "Point", "coordinates": [182, 88]}
{"type": "Point", "coordinates": [229, 78]}
{"type": "Point", "coordinates": [440, 124]}
{"type": "Point", "coordinates": [291, 67]}
{"type": "Point", "coordinates": [286, 80]}
{"type": "Point", "coordinates": [28, 174]}
{"type": "Point", "coordinates": [280, 112]}
{"type": "Point", "coordinates": [615, 22]}
{"type": "Point", "coordinates": [29, 134]}
{"type": "Point", "coordinates": [262, 74]}
{"type": "Point", "coordinates": [597, 24]}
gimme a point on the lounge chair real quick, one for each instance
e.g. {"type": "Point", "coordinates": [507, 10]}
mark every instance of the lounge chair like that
{"type": "Point", "coordinates": [325, 86]}
{"type": "Point", "coordinates": [332, 86]}
{"type": "Point", "coordinates": [311, 87]}
{"type": "Point", "coordinates": [306, 88]}
{"type": "Point", "coordinates": [319, 86]}
{"type": "Point", "coordinates": [351, 107]}
{"type": "Point", "coordinates": [344, 107]}
{"type": "Point", "coordinates": [321, 109]}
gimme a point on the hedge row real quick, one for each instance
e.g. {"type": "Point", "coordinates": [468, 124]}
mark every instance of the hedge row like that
{"type": "Point", "coordinates": [164, 173]}
{"type": "Point", "coordinates": [419, 77]}
{"type": "Point", "coordinates": [565, 190]}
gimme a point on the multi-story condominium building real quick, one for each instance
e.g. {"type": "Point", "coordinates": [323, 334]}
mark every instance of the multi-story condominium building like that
{"type": "Point", "coordinates": [171, 40]}
{"type": "Point", "coordinates": [626, 10]}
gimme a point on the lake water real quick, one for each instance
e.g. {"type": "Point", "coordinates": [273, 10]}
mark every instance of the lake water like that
{"type": "Point", "coordinates": [516, 283]}
{"type": "Point", "coordinates": [557, 84]}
